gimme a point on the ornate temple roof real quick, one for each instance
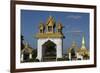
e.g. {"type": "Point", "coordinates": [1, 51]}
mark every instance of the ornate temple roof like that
{"type": "Point", "coordinates": [83, 51]}
{"type": "Point", "coordinates": [50, 31]}
{"type": "Point", "coordinates": [73, 46]}
{"type": "Point", "coordinates": [27, 49]}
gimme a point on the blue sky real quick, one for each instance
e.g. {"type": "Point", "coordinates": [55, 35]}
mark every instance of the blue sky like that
{"type": "Point", "coordinates": [74, 23]}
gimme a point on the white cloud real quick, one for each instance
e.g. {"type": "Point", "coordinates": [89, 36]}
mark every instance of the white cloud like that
{"type": "Point", "coordinates": [76, 31]}
{"type": "Point", "coordinates": [74, 16]}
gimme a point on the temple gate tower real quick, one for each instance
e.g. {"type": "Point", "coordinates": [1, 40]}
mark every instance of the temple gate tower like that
{"type": "Point", "coordinates": [49, 33]}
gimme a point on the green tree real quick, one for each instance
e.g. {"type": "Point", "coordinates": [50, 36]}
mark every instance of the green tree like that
{"type": "Point", "coordinates": [22, 45]}
{"type": "Point", "coordinates": [34, 53]}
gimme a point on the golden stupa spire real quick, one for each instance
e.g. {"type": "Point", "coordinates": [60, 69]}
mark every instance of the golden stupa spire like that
{"type": "Point", "coordinates": [83, 42]}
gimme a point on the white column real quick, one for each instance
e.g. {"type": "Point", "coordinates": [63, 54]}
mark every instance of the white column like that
{"type": "Point", "coordinates": [77, 55]}
{"type": "Point", "coordinates": [39, 49]}
{"type": "Point", "coordinates": [69, 55]}
{"type": "Point", "coordinates": [59, 48]}
{"type": "Point", "coordinates": [30, 56]}
{"type": "Point", "coordinates": [81, 57]}
{"type": "Point", "coordinates": [22, 57]}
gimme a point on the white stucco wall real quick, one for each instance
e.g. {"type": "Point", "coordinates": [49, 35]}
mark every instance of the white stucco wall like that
{"type": "Point", "coordinates": [57, 41]}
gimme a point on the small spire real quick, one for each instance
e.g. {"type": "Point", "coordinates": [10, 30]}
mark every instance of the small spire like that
{"type": "Point", "coordinates": [59, 27]}
{"type": "Point", "coordinates": [74, 44]}
{"type": "Point", "coordinates": [26, 45]}
{"type": "Point", "coordinates": [41, 25]}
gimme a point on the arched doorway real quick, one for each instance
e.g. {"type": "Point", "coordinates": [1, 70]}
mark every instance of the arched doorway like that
{"type": "Point", "coordinates": [26, 57]}
{"type": "Point", "coordinates": [49, 51]}
{"type": "Point", "coordinates": [73, 54]}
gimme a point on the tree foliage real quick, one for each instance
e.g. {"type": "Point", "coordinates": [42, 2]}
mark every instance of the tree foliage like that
{"type": "Point", "coordinates": [22, 45]}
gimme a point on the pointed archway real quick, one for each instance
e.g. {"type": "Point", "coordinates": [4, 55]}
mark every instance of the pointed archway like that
{"type": "Point", "coordinates": [49, 51]}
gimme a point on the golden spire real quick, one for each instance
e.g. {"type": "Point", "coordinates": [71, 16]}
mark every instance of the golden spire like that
{"type": "Point", "coordinates": [50, 25]}
{"type": "Point", "coordinates": [59, 27]}
{"type": "Point", "coordinates": [50, 21]}
{"type": "Point", "coordinates": [83, 42]}
{"type": "Point", "coordinates": [41, 27]}
{"type": "Point", "coordinates": [49, 29]}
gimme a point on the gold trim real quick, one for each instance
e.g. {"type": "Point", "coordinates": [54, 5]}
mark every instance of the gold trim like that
{"type": "Point", "coordinates": [49, 35]}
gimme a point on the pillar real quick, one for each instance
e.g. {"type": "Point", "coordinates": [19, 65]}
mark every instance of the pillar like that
{"type": "Point", "coordinates": [30, 56]}
{"type": "Point", "coordinates": [69, 56]}
{"type": "Point", "coordinates": [22, 57]}
{"type": "Point", "coordinates": [39, 50]}
{"type": "Point", "coordinates": [59, 48]}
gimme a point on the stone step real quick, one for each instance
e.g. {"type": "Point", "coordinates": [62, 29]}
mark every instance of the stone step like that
{"type": "Point", "coordinates": [50, 58]}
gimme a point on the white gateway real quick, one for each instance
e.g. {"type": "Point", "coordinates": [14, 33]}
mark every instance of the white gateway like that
{"type": "Point", "coordinates": [49, 33]}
